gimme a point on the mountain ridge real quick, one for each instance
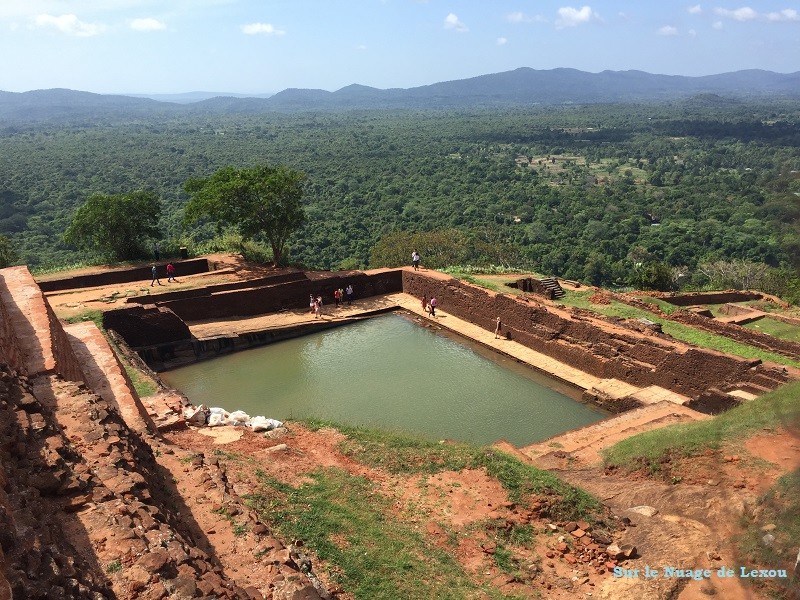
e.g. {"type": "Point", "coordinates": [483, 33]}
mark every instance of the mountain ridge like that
{"type": "Point", "coordinates": [523, 86]}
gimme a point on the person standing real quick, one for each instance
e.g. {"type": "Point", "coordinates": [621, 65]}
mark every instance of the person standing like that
{"type": "Point", "coordinates": [317, 308]}
{"type": "Point", "coordinates": [348, 292]}
{"type": "Point", "coordinates": [319, 305]}
{"type": "Point", "coordinates": [154, 273]}
{"type": "Point", "coordinates": [415, 260]}
{"type": "Point", "coordinates": [433, 303]}
{"type": "Point", "coordinates": [337, 297]}
{"type": "Point", "coordinates": [424, 303]}
{"type": "Point", "coordinates": [497, 327]}
{"type": "Point", "coordinates": [312, 303]}
{"type": "Point", "coordinates": [171, 273]}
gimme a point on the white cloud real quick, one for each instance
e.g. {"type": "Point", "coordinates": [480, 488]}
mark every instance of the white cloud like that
{"type": "Point", "coordinates": [692, 33]}
{"type": "Point", "coordinates": [572, 17]}
{"type": "Point", "coordinates": [695, 10]}
{"type": "Point", "coordinates": [744, 13]}
{"type": "Point", "coordinates": [261, 28]}
{"type": "Point", "coordinates": [361, 47]}
{"type": "Point", "coordinates": [668, 30]}
{"type": "Point", "coordinates": [69, 25]}
{"type": "Point", "coordinates": [787, 14]}
{"type": "Point", "coordinates": [717, 25]}
{"type": "Point", "coordinates": [501, 41]}
{"type": "Point", "coordinates": [148, 24]}
{"type": "Point", "coordinates": [521, 17]}
{"type": "Point", "coordinates": [451, 21]}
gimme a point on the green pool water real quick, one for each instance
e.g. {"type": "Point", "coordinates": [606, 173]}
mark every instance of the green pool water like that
{"type": "Point", "coordinates": [391, 373]}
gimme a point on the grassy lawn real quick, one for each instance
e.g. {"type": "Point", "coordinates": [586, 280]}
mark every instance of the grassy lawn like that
{"type": "Point", "coordinates": [772, 410]}
{"type": "Point", "coordinates": [775, 328]}
{"type": "Point", "coordinates": [678, 331]}
{"type": "Point", "coordinates": [372, 549]}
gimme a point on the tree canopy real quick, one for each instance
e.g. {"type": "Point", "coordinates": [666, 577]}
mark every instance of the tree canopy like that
{"type": "Point", "coordinates": [7, 252]}
{"type": "Point", "coordinates": [262, 202]}
{"type": "Point", "coordinates": [116, 227]}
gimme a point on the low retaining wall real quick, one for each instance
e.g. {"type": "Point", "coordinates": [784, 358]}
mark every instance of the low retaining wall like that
{"type": "Point", "coordinates": [182, 268]}
{"type": "Point", "coordinates": [700, 298]}
{"type": "Point", "coordinates": [639, 360]}
{"type": "Point", "coordinates": [185, 352]}
{"type": "Point", "coordinates": [739, 333]}
{"type": "Point", "coordinates": [222, 287]}
{"type": "Point", "coordinates": [146, 325]}
{"type": "Point", "coordinates": [290, 295]}
{"type": "Point", "coordinates": [729, 330]}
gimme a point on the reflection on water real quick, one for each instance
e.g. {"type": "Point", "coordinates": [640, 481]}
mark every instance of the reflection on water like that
{"type": "Point", "coordinates": [388, 372]}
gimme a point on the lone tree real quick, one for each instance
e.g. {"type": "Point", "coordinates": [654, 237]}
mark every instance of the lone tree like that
{"type": "Point", "coordinates": [263, 202]}
{"type": "Point", "coordinates": [116, 227]}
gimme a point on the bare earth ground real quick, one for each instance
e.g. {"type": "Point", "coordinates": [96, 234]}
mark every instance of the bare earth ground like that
{"type": "Point", "coordinates": [698, 506]}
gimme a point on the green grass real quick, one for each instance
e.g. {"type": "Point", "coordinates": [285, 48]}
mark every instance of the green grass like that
{"type": "Point", "coordinates": [776, 409]}
{"type": "Point", "coordinates": [775, 328]}
{"type": "Point", "coordinates": [143, 385]}
{"type": "Point", "coordinates": [374, 550]}
{"type": "Point", "coordinates": [115, 566]}
{"type": "Point", "coordinates": [89, 315]}
{"type": "Point", "coordinates": [404, 454]}
{"type": "Point", "coordinates": [678, 331]}
{"type": "Point", "coordinates": [663, 305]}
{"type": "Point", "coordinates": [348, 523]}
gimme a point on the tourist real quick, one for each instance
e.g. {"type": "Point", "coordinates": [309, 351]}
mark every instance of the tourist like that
{"type": "Point", "coordinates": [415, 260]}
{"type": "Point", "coordinates": [433, 303]}
{"type": "Point", "coordinates": [348, 292]}
{"type": "Point", "coordinates": [317, 308]}
{"type": "Point", "coordinates": [424, 303]}
{"type": "Point", "coordinates": [154, 273]}
{"type": "Point", "coordinates": [171, 273]}
{"type": "Point", "coordinates": [311, 303]}
{"type": "Point", "coordinates": [337, 297]}
{"type": "Point", "coordinates": [319, 305]}
{"type": "Point", "coordinates": [497, 328]}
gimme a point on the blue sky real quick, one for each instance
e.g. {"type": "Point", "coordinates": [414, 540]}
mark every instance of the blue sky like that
{"type": "Point", "coordinates": [263, 46]}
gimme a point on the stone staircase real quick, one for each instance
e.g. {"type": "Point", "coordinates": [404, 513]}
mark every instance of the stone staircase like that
{"type": "Point", "coordinates": [552, 286]}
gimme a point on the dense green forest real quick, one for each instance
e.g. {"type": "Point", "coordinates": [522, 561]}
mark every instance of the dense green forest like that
{"type": "Point", "coordinates": [583, 192]}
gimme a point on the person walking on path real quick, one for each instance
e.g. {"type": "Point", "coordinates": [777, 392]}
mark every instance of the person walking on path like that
{"type": "Point", "coordinates": [317, 309]}
{"type": "Point", "coordinates": [415, 260]}
{"type": "Point", "coordinates": [171, 273]}
{"type": "Point", "coordinates": [497, 327]}
{"type": "Point", "coordinates": [424, 303]}
{"type": "Point", "coordinates": [312, 303]}
{"type": "Point", "coordinates": [319, 306]}
{"type": "Point", "coordinates": [154, 272]}
{"type": "Point", "coordinates": [348, 292]}
{"type": "Point", "coordinates": [337, 297]}
{"type": "Point", "coordinates": [433, 304]}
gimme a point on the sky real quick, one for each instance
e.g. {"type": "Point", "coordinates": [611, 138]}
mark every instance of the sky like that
{"type": "Point", "coordinates": [265, 46]}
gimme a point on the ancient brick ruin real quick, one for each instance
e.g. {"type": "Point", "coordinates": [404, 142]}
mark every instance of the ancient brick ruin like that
{"type": "Point", "coordinates": [86, 510]}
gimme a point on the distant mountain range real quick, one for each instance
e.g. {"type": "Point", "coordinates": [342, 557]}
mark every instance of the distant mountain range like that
{"type": "Point", "coordinates": [520, 87]}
